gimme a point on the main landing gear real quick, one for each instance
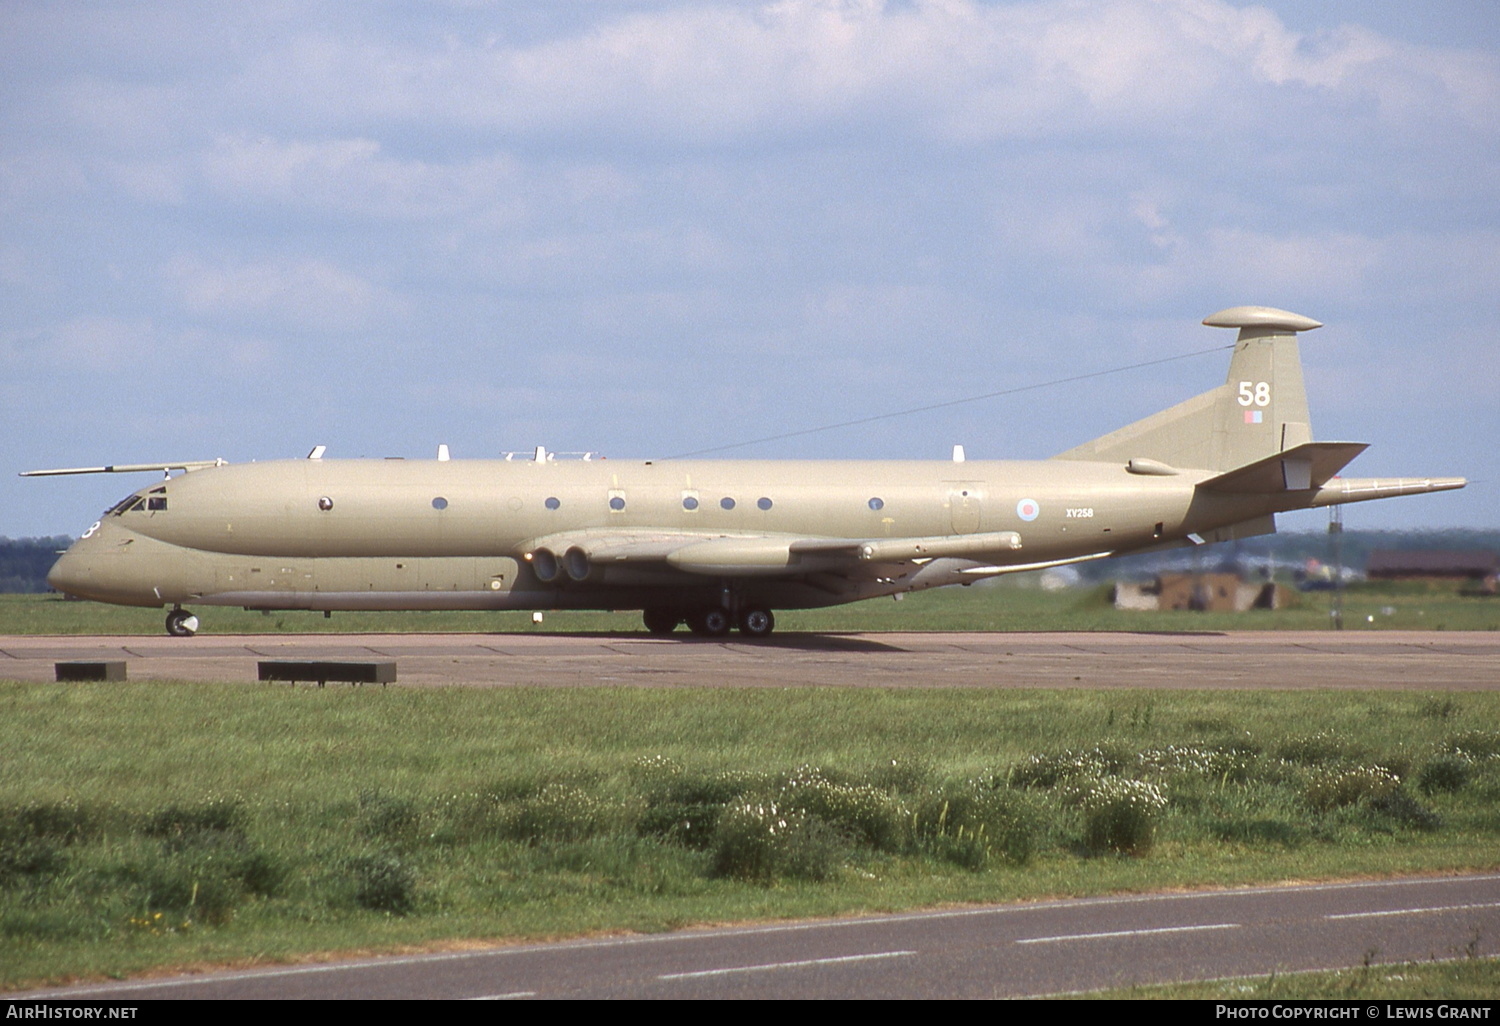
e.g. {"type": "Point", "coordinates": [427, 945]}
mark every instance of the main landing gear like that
{"type": "Point", "coordinates": [661, 621]}
{"type": "Point", "coordinates": [181, 623]}
{"type": "Point", "coordinates": [714, 622]}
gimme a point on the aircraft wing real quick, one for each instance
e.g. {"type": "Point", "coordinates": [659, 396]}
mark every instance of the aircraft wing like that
{"type": "Point", "coordinates": [578, 553]}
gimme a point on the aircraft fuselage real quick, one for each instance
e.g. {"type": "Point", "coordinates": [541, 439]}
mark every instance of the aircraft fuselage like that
{"type": "Point", "coordinates": [399, 534]}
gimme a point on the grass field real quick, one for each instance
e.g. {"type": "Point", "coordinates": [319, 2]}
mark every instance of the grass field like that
{"type": "Point", "coordinates": [1011, 604]}
{"type": "Point", "coordinates": [150, 825]}
{"type": "Point", "coordinates": [144, 825]}
{"type": "Point", "coordinates": [1475, 979]}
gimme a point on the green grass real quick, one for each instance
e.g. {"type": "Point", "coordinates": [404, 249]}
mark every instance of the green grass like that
{"type": "Point", "coordinates": [1462, 978]}
{"type": "Point", "coordinates": [149, 825]}
{"type": "Point", "coordinates": [1010, 604]}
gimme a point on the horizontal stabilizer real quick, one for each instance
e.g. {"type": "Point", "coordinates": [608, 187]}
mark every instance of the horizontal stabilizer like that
{"type": "Point", "coordinates": [1310, 465]}
{"type": "Point", "coordinates": [1361, 489]}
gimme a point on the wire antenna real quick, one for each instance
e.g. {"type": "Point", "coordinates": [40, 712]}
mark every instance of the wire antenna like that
{"type": "Point", "coordinates": [945, 404]}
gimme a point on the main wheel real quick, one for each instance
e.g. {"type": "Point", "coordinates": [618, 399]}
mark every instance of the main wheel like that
{"type": "Point", "coordinates": [757, 623]}
{"type": "Point", "coordinates": [661, 621]}
{"type": "Point", "coordinates": [181, 623]}
{"type": "Point", "coordinates": [711, 623]}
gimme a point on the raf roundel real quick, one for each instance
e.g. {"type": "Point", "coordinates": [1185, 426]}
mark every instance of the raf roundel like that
{"type": "Point", "coordinates": [1028, 510]}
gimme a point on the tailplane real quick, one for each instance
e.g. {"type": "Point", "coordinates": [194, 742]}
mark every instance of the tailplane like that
{"type": "Point", "coordinates": [1259, 411]}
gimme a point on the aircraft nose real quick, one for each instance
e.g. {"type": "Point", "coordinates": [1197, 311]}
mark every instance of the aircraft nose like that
{"type": "Point", "coordinates": [70, 574]}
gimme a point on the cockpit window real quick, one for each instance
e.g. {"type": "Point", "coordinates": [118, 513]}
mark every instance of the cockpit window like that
{"type": "Point", "coordinates": [137, 503]}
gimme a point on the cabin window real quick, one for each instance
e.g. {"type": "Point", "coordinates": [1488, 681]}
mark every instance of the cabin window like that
{"type": "Point", "coordinates": [325, 504]}
{"type": "Point", "coordinates": [726, 503]}
{"type": "Point", "coordinates": [616, 503]}
{"type": "Point", "coordinates": [440, 503]}
{"type": "Point", "coordinates": [553, 502]}
{"type": "Point", "coordinates": [877, 503]}
{"type": "Point", "coordinates": [763, 502]}
{"type": "Point", "coordinates": [689, 502]}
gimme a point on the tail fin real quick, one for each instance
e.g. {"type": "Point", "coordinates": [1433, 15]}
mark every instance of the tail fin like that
{"type": "Point", "coordinates": [1259, 411]}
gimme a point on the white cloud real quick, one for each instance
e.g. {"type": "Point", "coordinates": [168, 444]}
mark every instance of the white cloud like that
{"type": "Point", "coordinates": [31, 178]}
{"type": "Point", "coordinates": [355, 175]}
{"type": "Point", "coordinates": [734, 212]}
{"type": "Point", "coordinates": [308, 293]}
{"type": "Point", "coordinates": [953, 69]}
{"type": "Point", "coordinates": [87, 345]}
{"type": "Point", "coordinates": [126, 352]}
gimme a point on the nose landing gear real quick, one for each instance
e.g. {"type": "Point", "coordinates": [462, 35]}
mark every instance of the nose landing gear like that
{"type": "Point", "coordinates": [181, 623]}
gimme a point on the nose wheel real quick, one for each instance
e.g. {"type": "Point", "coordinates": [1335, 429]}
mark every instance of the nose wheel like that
{"type": "Point", "coordinates": [181, 623]}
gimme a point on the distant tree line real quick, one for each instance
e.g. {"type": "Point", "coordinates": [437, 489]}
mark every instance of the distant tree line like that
{"type": "Point", "coordinates": [24, 562]}
{"type": "Point", "coordinates": [1283, 550]}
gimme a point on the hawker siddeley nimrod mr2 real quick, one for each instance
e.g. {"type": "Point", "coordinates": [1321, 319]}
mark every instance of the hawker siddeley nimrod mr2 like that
{"type": "Point", "coordinates": [718, 544]}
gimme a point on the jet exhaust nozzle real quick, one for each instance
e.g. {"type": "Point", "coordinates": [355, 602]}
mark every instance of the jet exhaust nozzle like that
{"type": "Point", "coordinates": [576, 562]}
{"type": "Point", "coordinates": [544, 565]}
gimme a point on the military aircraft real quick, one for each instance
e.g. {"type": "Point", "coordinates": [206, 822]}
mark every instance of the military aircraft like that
{"type": "Point", "coordinates": [718, 544]}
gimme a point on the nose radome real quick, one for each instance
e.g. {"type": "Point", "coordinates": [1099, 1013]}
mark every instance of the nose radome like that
{"type": "Point", "coordinates": [70, 574]}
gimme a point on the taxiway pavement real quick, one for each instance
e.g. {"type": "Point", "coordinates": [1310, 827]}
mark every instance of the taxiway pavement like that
{"type": "Point", "coordinates": [1430, 660]}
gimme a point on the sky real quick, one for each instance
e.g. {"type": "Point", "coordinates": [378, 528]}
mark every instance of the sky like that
{"type": "Point", "coordinates": [650, 228]}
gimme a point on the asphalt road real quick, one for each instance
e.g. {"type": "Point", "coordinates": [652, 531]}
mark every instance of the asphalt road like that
{"type": "Point", "coordinates": [1447, 660]}
{"type": "Point", "coordinates": [1027, 950]}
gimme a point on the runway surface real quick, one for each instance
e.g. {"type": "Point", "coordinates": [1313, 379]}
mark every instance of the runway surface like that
{"type": "Point", "coordinates": [1431, 660]}
{"type": "Point", "coordinates": [1027, 950]}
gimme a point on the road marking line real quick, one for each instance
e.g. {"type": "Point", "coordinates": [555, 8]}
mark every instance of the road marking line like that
{"type": "Point", "coordinates": [1412, 911]}
{"type": "Point", "coordinates": [784, 965]}
{"type": "Point", "coordinates": [504, 997]}
{"type": "Point", "coordinates": [693, 936]}
{"type": "Point", "coordinates": [1127, 933]}
{"type": "Point", "coordinates": [1259, 977]}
